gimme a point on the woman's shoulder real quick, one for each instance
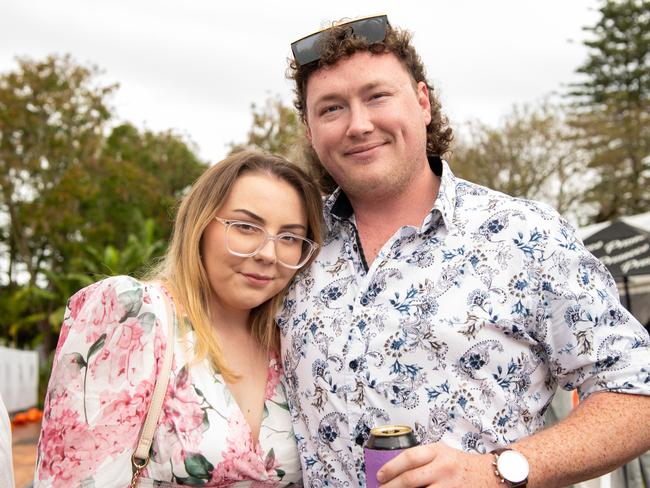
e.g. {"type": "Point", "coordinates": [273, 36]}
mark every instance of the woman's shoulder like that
{"type": "Point", "coordinates": [116, 295]}
{"type": "Point", "coordinates": [114, 302]}
{"type": "Point", "coordinates": [118, 283]}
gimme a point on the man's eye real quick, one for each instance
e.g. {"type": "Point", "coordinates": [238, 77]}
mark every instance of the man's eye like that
{"type": "Point", "coordinates": [376, 96]}
{"type": "Point", "coordinates": [330, 109]}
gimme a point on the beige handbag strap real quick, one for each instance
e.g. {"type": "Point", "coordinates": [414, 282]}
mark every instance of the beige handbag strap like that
{"type": "Point", "coordinates": [140, 457]}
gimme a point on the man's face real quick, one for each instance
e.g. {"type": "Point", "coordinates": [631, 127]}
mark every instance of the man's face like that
{"type": "Point", "coordinates": [366, 119]}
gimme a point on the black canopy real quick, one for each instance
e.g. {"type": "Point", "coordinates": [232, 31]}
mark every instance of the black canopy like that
{"type": "Point", "coordinates": [624, 249]}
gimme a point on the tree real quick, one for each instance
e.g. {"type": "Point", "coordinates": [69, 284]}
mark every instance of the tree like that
{"type": "Point", "coordinates": [276, 128]}
{"type": "Point", "coordinates": [529, 155]}
{"type": "Point", "coordinates": [69, 185]}
{"type": "Point", "coordinates": [132, 259]}
{"type": "Point", "coordinates": [52, 116]}
{"type": "Point", "coordinates": [138, 176]}
{"type": "Point", "coordinates": [611, 108]}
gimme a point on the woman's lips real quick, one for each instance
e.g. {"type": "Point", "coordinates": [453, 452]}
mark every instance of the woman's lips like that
{"type": "Point", "coordinates": [256, 279]}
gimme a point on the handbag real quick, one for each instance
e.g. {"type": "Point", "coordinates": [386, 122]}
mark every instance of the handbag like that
{"type": "Point", "coordinates": [140, 457]}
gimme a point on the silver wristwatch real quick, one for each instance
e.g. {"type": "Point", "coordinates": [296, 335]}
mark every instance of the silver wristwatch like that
{"type": "Point", "coordinates": [511, 467]}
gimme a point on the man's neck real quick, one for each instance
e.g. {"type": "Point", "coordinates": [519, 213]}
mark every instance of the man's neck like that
{"type": "Point", "coordinates": [379, 218]}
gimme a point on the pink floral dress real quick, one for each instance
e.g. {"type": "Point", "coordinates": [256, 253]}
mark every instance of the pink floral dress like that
{"type": "Point", "coordinates": [111, 345]}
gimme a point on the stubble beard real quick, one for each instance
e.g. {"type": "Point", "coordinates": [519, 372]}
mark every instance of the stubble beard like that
{"type": "Point", "coordinates": [378, 189]}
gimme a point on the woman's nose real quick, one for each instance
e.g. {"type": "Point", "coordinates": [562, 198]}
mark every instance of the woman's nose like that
{"type": "Point", "coordinates": [267, 253]}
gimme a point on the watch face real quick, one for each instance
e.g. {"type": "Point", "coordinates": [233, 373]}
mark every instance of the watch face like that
{"type": "Point", "coordinates": [512, 466]}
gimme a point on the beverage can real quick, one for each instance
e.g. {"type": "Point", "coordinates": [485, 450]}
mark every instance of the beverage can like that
{"type": "Point", "coordinates": [384, 444]}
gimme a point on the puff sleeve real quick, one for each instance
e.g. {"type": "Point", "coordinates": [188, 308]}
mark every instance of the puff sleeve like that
{"type": "Point", "coordinates": [110, 348]}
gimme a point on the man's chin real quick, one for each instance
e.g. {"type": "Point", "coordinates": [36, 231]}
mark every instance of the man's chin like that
{"type": "Point", "coordinates": [378, 188]}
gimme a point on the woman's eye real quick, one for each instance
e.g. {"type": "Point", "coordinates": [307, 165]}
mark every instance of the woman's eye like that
{"type": "Point", "coordinates": [246, 228]}
{"type": "Point", "coordinates": [289, 239]}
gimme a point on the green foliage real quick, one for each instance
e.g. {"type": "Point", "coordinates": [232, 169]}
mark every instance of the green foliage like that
{"type": "Point", "coordinates": [139, 175]}
{"type": "Point", "coordinates": [78, 201]}
{"type": "Point", "coordinates": [611, 108]}
{"type": "Point", "coordinates": [139, 251]}
{"type": "Point", "coordinates": [530, 154]}
{"type": "Point", "coordinates": [44, 372]}
{"type": "Point", "coordinates": [51, 121]}
{"type": "Point", "coordinates": [276, 128]}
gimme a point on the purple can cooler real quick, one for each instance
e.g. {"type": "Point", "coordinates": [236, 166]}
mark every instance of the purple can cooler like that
{"type": "Point", "coordinates": [384, 444]}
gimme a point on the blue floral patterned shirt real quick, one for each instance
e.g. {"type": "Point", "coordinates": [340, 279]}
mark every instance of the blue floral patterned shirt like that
{"type": "Point", "coordinates": [461, 328]}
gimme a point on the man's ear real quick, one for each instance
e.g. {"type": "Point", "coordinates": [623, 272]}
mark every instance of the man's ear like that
{"type": "Point", "coordinates": [307, 130]}
{"type": "Point", "coordinates": [423, 100]}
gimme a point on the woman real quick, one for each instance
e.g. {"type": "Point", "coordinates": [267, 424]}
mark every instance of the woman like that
{"type": "Point", "coordinates": [245, 228]}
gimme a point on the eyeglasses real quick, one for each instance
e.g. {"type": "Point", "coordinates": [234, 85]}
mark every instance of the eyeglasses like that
{"type": "Point", "coordinates": [245, 239]}
{"type": "Point", "coordinates": [373, 29]}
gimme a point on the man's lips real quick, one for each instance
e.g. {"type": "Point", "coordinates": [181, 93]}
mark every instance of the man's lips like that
{"type": "Point", "coordinates": [363, 148]}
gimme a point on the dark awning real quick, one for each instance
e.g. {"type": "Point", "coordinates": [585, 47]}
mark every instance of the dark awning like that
{"type": "Point", "coordinates": [624, 249]}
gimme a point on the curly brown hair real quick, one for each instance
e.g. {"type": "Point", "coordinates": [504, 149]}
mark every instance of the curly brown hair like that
{"type": "Point", "coordinates": [338, 43]}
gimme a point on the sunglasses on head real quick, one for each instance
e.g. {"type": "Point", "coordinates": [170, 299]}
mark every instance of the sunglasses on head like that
{"type": "Point", "coordinates": [373, 29]}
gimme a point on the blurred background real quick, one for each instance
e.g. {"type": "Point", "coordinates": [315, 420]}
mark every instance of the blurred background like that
{"type": "Point", "coordinates": [110, 109]}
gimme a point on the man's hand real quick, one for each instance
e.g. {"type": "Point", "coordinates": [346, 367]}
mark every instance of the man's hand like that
{"type": "Point", "coordinates": [440, 466]}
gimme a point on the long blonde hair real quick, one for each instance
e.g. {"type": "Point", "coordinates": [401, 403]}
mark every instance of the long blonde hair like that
{"type": "Point", "coordinates": [182, 270]}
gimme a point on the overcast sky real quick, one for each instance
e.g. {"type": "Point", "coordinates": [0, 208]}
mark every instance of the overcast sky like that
{"type": "Point", "coordinates": [196, 66]}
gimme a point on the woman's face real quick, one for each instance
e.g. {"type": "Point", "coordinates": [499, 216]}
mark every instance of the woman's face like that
{"type": "Point", "coordinates": [242, 283]}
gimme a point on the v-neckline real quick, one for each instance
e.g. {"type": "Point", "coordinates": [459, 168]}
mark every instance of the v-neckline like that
{"type": "Point", "coordinates": [255, 442]}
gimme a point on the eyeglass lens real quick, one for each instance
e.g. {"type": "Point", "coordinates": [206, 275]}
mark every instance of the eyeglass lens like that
{"type": "Point", "coordinates": [248, 239]}
{"type": "Point", "coordinates": [373, 29]}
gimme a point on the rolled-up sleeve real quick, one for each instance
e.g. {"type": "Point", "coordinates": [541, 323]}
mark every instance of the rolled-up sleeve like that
{"type": "Point", "coordinates": [593, 342]}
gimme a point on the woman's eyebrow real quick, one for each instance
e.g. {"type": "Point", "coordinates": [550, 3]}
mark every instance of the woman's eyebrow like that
{"type": "Point", "coordinates": [258, 218]}
{"type": "Point", "coordinates": [250, 214]}
{"type": "Point", "coordinates": [294, 227]}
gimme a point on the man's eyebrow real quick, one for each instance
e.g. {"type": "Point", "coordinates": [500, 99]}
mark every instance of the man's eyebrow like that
{"type": "Point", "coordinates": [334, 96]}
{"type": "Point", "coordinates": [328, 97]}
{"type": "Point", "coordinates": [257, 218]}
{"type": "Point", "coordinates": [372, 85]}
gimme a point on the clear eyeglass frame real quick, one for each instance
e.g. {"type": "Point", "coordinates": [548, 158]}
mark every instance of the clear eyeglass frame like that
{"type": "Point", "coordinates": [307, 252]}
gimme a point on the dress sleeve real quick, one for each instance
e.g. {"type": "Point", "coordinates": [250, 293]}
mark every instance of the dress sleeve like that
{"type": "Point", "coordinates": [107, 358]}
{"type": "Point", "coordinates": [593, 342]}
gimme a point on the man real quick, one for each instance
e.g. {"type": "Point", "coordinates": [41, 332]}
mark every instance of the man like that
{"type": "Point", "coordinates": [440, 304]}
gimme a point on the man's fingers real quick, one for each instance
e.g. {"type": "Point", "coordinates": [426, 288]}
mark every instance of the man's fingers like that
{"type": "Point", "coordinates": [410, 459]}
{"type": "Point", "coordinates": [425, 475]}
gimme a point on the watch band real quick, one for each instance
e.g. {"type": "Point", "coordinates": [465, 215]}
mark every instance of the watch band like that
{"type": "Point", "coordinates": [510, 484]}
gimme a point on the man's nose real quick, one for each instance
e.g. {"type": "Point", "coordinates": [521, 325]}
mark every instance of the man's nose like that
{"type": "Point", "coordinates": [267, 253]}
{"type": "Point", "coordinates": [360, 121]}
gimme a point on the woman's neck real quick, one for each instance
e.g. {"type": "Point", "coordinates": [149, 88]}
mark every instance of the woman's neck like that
{"type": "Point", "coordinates": [229, 320]}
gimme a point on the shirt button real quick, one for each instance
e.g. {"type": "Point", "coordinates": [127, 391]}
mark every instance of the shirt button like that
{"type": "Point", "coordinates": [353, 365]}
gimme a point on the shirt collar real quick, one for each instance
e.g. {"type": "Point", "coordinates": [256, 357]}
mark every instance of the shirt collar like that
{"type": "Point", "coordinates": [338, 207]}
{"type": "Point", "coordinates": [447, 197]}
